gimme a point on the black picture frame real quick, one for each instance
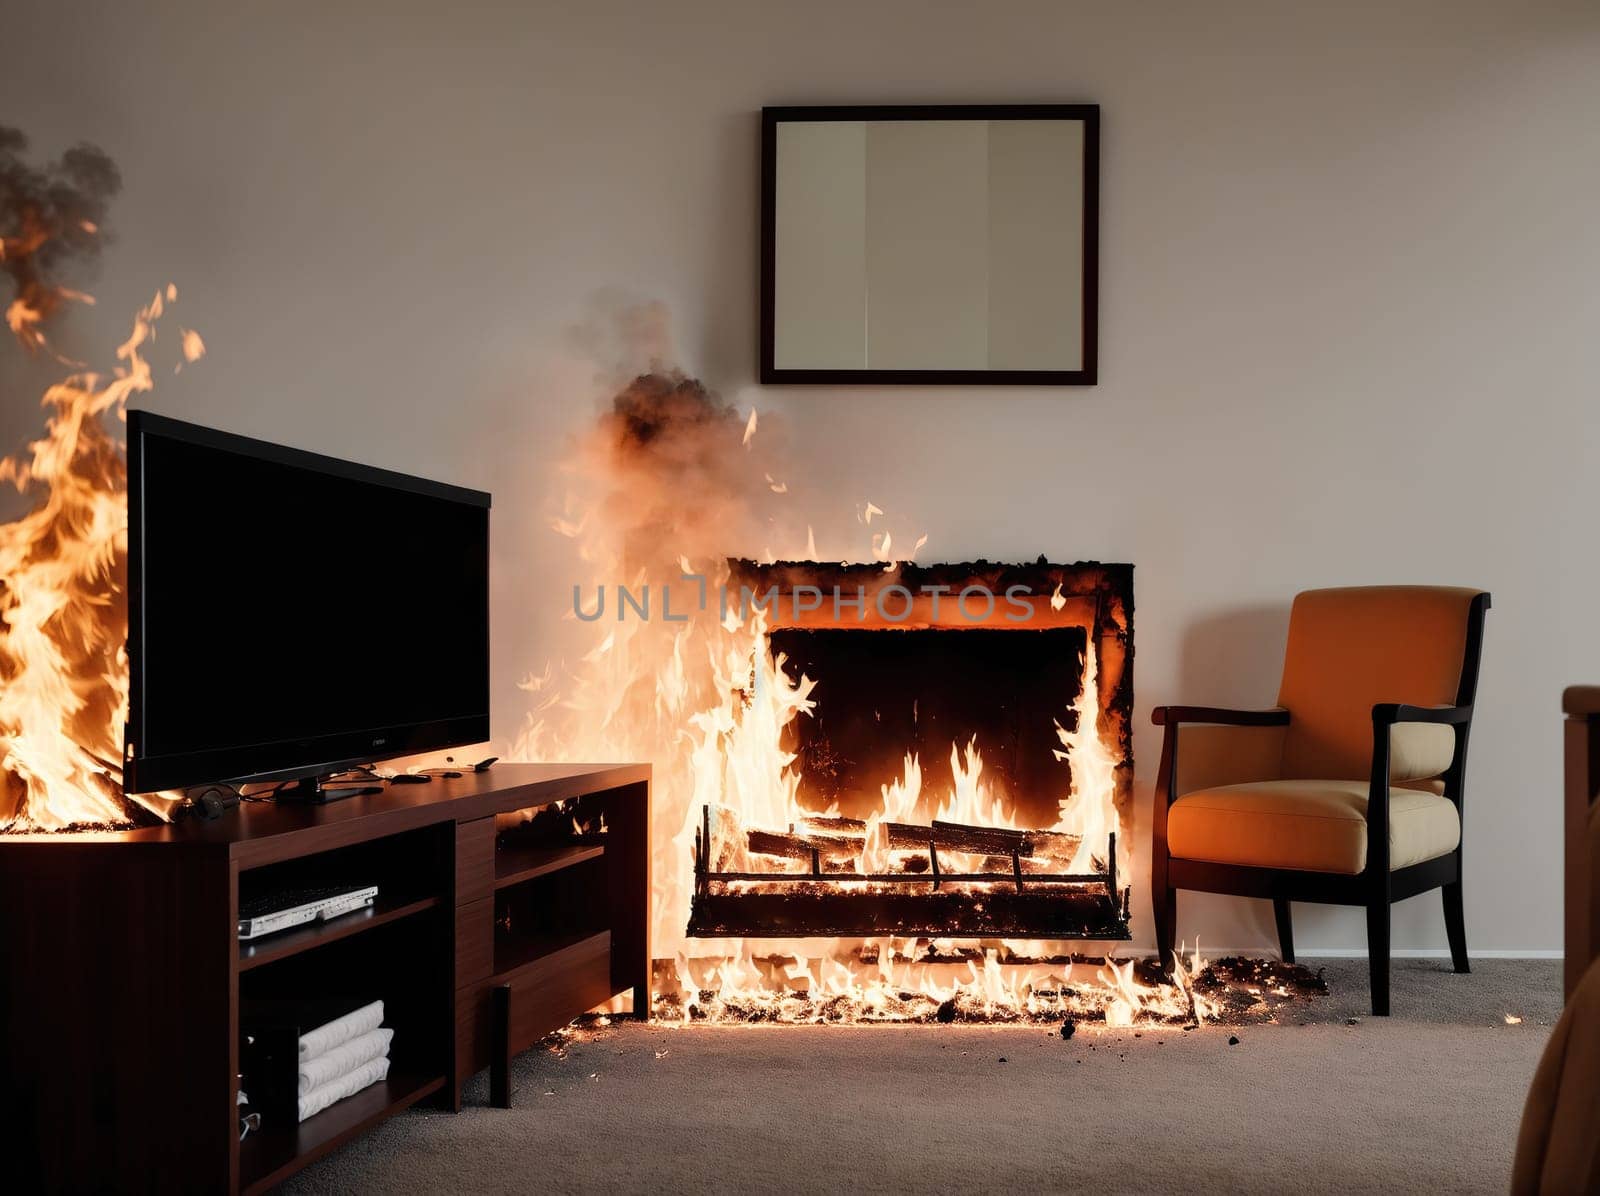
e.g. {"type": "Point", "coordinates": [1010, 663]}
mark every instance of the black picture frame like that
{"type": "Point", "coordinates": [1086, 375]}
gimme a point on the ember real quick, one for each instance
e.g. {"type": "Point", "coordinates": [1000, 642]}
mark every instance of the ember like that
{"type": "Point", "coordinates": [1259, 990]}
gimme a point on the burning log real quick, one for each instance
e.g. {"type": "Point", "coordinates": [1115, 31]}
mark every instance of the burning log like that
{"type": "Point", "coordinates": [793, 847]}
{"type": "Point", "coordinates": [1053, 845]}
{"type": "Point", "coordinates": [831, 825]}
{"type": "Point", "coordinates": [845, 838]}
{"type": "Point", "coordinates": [954, 836]}
{"type": "Point", "coordinates": [983, 840]}
{"type": "Point", "coordinates": [998, 898]}
{"type": "Point", "coordinates": [801, 847]}
{"type": "Point", "coordinates": [723, 834]}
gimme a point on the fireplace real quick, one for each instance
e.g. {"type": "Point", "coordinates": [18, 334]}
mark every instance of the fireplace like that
{"type": "Point", "coordinates": [883, 791]}
{"type": "Point", "coordinates": [962, 768]}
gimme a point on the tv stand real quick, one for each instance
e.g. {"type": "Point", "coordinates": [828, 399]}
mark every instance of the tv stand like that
{"type": "Point", "coordinates": [125, 990]}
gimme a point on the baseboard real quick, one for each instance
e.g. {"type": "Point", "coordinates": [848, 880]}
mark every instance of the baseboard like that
{"type": "Point", "coordinates": [1423, 953]}
{"type": "Point", "coordinates": [1207, 951]}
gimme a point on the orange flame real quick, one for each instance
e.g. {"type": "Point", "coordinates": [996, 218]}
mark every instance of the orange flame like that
{"type": "Point", "coordinates": [63, 653]}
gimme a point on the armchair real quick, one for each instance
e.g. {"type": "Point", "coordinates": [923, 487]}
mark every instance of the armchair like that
{"type": "Point", "coordinates": [1349, 791]}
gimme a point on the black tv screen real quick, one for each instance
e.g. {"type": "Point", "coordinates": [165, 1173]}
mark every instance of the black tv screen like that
{"type": "Point", "coordinates": [291, 613]}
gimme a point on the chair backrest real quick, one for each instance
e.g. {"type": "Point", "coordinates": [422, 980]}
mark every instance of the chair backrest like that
{"type": "Point", "coordinates": [1352, 648]}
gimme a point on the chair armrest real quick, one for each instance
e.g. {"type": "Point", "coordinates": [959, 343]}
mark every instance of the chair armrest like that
{"type": "Point", "coordinates": [1172, 716]}
{"type": "Point", "coordinates": [1581, 701]}
{"type": "Point", "coordinates": [1386, 714]}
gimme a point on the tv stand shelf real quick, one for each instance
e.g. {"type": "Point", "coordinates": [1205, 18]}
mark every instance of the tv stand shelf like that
{"type": "Point", "coordinates": [127, 990]}
{"type": "Point", "coordinates": [513, 865]}
{"type": "Point", "coordinates": [274, 947]}
{"type": "Point", "coordinates": [270, 1156]}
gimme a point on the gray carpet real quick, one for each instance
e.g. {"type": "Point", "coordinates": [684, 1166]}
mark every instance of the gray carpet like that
{"type": "Point", "coordinates": [1427, 1100]}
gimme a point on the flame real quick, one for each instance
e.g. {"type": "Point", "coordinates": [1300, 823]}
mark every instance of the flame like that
{"type": "Point", "coordinates": [193, 348]}
{"type": "Point", "coordinates": [670, 482]}
{"type": "Point", "coordinates": [1087, 810]}
{"type": "Point", "coordinates": [63, 655]}
{"type": "Point", "coordinates": [891, 980]}
{"type": "Point", "coordinates": [737, 764]}
{"type": "Point", "coordinates": [23, 319]}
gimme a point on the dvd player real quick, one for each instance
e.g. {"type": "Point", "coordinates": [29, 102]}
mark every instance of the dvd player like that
{"type": "Point", "coordinates": [295, 907]}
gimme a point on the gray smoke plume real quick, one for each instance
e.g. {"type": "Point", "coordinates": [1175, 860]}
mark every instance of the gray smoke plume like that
{"type": "Point", "coordinates": [681, 482]}
{"type": "Point", "coordinates": [50, 217]}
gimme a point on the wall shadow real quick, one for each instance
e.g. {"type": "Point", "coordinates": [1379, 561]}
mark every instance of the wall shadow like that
{"type": "Point", "coordinates": [1233, 657]}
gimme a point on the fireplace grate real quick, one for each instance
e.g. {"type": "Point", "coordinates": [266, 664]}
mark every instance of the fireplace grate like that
{"type": "Point", "coordinates": [1013, 890]}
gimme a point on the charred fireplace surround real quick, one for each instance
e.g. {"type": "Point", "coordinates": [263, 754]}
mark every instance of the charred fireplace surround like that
{"type": "Point", "coordinates": [980, 653]}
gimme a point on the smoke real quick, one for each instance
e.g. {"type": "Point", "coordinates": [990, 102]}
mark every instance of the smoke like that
{"type": "Point", "coordinates": [666, 472]}
{"type": "Point", "coordinates": [678, 477]}
{"type": "Point", "coordinates": [51, 217]}
{"type": "Point", "coordinates": [662, 478]}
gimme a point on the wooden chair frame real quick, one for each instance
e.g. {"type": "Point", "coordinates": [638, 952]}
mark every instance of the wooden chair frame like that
{"type": "Point", "coordinates": [1376, 888]}
{"type": "Point", "coordinates": [1581, 705]}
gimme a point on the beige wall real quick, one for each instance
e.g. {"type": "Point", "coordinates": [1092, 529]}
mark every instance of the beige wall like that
{"type": "Point", "coordinates": [1351, 301]}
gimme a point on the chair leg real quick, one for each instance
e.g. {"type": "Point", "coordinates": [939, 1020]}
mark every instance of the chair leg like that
{"type": "Point", "coordinates": [1166, 916]}
{"type": "Point", "coordinates": [1455, 927]}
{"type": "Point", "coordinates": [1378, 954]}
{"type": "Point", "coordinates": [1280, 910]}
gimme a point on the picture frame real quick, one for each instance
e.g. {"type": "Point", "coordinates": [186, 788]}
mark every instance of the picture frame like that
{"type": "Point", "coordinates": [918, 244]}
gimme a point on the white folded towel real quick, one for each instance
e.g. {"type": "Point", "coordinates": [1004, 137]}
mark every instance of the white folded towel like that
{"type": "Point", "coordinates": [340, 1030]}
{"type": "Point", "coordinates": [349, 1084]}
{"type": "Point", "coordinates": [330, 1065]}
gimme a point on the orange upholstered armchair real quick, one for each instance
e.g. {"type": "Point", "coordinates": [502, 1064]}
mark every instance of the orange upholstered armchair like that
{"type": "Point", "coordinates": [1349, 791]}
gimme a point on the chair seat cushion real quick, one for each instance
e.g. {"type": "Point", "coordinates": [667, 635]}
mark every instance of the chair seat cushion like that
{"type": "Point", "coordinates": [1312, 826]}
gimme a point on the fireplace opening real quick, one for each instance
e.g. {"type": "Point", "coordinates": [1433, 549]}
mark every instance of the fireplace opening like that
{"type": "Point", "coordinates": [925, 692]}
{"type": "Point", "coordinates": [963, 765]}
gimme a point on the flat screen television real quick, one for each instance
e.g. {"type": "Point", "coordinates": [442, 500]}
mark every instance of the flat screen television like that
{"type": "Point", "coordinates": [291, 614]}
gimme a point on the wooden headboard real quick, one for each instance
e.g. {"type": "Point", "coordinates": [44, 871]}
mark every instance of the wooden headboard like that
{"type": "Point", "coordinates": [1581, 827]}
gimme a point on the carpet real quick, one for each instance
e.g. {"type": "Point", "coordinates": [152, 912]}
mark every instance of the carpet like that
{"type": "Point", "coordinates": [1427, 1100]}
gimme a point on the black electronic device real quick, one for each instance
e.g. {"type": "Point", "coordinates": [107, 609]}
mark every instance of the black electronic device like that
{"type": "Point", "coordinates": [211, 801]}
{"type": "Point", "coordinates": [303, 663]}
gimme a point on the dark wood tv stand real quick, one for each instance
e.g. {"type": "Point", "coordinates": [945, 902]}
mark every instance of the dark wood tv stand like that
{"type": "Point", "coordinates": [124, 990]}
